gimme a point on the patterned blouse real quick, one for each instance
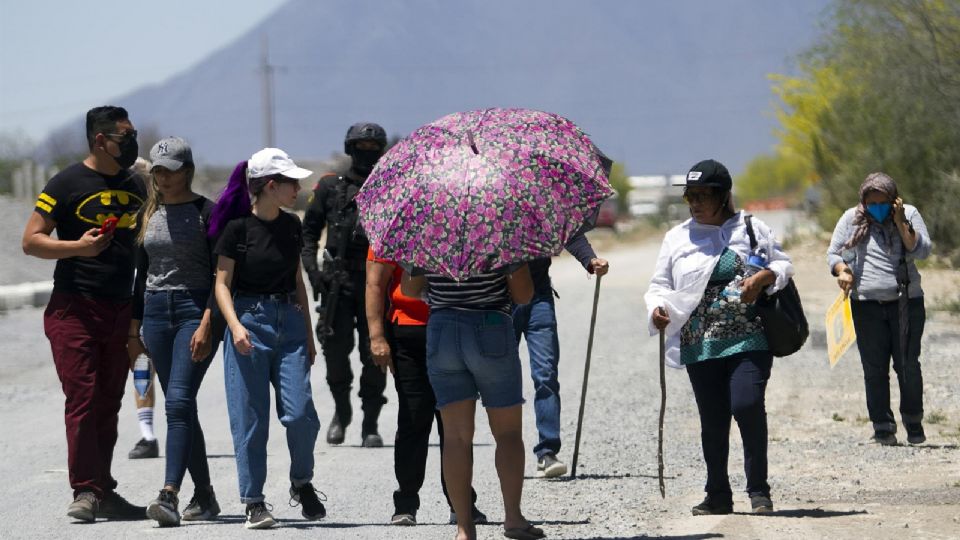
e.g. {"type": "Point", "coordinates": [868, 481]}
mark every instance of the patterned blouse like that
{"type": "Point", "coordinates": [720, 327]}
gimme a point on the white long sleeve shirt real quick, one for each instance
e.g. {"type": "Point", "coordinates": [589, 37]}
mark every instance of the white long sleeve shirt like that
{"type": "Point", "coordinates": [687, 257]}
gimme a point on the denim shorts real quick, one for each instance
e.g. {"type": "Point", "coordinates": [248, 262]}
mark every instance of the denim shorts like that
{"type": "Point", "coordinates": [473, 354]}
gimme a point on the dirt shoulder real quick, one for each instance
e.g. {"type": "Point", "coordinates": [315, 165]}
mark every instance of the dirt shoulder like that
{"type": "Point", "coordinates": [829, 480]}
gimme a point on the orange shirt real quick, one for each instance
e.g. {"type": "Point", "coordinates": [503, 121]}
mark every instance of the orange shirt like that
{"type": "Point", "coordinates": [404, 310]}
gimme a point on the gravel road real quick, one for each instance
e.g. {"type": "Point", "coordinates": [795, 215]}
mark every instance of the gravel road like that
{"type": "Point", "coordinates": [828, 479]}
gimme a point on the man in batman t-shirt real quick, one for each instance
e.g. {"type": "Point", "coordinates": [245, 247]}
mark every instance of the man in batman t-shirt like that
{"type": "Point", "coordinates": [88, 317]}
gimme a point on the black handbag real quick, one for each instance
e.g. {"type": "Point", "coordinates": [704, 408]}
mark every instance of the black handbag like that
{"type": "Point", "coordinates": [782, 315]}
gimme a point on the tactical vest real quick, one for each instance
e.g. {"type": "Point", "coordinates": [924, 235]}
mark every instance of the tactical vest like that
{"type": "Point", "coordinates": [343, 217]}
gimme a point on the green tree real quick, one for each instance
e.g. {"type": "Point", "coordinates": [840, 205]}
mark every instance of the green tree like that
{"type": "Point", "coordinates": [620, 184]}
{"type": "Point", "coordinates": [880, 91]}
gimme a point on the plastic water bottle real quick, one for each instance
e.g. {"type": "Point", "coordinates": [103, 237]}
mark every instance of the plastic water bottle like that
{"type": "Point", "coordinates": [732, 291]}
{"type": "Point", "coordinates": [756, 262]}
{"type": "Point", "coordinates": [141, 375]}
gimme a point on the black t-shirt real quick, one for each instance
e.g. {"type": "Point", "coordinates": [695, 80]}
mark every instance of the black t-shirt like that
{"type": "Point", "coordinates": [267, 253]}
{"type": "Point", "coordinates": [80, 198]}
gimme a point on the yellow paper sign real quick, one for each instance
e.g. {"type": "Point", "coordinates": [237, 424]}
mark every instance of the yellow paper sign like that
{"type": "Point", "coordinates": [840, 333]}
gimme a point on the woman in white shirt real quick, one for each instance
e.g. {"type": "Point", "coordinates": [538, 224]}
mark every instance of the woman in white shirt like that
{"type": "Point", "coordinates": [702, 295]}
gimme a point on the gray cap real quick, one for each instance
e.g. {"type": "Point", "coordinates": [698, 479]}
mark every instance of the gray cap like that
{"type": "Point", "coordinates": [171, 153]}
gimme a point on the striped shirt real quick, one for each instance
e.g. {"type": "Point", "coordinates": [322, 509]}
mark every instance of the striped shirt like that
{"type": "Point", "coordinates": [482, 292]}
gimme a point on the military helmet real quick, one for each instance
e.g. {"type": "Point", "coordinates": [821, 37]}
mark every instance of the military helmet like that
{"type": "Point", "coordinates": [363, 131]}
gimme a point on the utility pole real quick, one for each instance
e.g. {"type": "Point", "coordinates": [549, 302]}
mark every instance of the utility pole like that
{"type": "Point", "coordinates": [266, 83]}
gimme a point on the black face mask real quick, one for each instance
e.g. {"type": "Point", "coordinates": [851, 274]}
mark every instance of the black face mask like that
{"type": "Point", "coordinates": [129, 149]}
{"type": "Point", "coordinates": [364, 160]}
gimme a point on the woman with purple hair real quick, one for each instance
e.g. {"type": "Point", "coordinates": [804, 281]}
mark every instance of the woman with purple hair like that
{"type": "Point", "coordinates": [268, 341]}
{"type": "Point", "coordinates": [873, 252]}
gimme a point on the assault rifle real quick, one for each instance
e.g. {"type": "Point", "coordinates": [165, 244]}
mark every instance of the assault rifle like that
{"type": "Point", "coordinates": [334, 272]}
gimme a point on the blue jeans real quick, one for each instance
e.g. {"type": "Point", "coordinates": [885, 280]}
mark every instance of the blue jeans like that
{"type": "Point", "coordinates": [538, 322]}
{"type": "Point", "coordinates": [472, 353]}
{"type": "Point", "coordinates": [279, 357]}
{"type": "Point", "coordinates": [170, 319]}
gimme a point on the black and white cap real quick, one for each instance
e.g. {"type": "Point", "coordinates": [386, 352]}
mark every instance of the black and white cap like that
{"type": "Point", "coordinates": [709, 172]}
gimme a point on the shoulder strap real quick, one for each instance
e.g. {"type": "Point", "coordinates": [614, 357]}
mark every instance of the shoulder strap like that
{"type": "Point", "coordinates": [200, 202]}
{"type": "Point", "coordinates": [753, 238]}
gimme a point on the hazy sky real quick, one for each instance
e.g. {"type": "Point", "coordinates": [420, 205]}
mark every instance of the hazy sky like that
{"type": "Point", "coordinates": [58, 58]}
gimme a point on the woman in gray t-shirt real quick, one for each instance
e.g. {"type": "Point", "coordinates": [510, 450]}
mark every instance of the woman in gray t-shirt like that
{"type": "Point", "coordinates": [174, 302]}
{"type": "Point", "coordinates": [872, 253]}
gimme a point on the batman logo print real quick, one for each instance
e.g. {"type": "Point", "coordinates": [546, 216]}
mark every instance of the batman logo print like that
{"type": "Point", "coordinates": [120, 204]}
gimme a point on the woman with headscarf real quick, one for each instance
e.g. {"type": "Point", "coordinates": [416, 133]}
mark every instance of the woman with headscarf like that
{"type": "Point", "coordinates": [872, 254]}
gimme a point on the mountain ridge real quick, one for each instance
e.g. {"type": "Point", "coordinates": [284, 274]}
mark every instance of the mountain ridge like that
{"type": "Point", "coordinates": [657, 84]}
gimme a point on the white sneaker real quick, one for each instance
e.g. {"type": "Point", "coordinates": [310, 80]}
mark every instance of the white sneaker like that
{"type": "Point", "coordinates": [550, 467]}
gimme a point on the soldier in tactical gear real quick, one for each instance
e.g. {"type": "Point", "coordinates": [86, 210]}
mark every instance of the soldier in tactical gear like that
{"type": "Point", "coordinates": [340, 283]}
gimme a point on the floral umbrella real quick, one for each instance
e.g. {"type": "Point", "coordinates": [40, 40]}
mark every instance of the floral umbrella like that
{"type": "Point", "coordinates": [477, 191]}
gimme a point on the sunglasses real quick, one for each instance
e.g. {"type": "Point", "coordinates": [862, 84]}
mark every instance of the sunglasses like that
{"type": "Point", "coordinates": [696, 198]}
{"type": "Point", "coordinates": [120, 137]}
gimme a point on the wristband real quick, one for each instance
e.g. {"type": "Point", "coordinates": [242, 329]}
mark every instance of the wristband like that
{"type": "Point", "coordinates": [130, 336]}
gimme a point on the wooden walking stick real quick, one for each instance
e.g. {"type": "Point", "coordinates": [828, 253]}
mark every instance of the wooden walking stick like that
{"type": "Point", "coordinates": [586, 375]}
{"type": "Point", "coordinates": [663, 407]}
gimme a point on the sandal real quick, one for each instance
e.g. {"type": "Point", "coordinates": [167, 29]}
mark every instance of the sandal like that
{"type": "Point", "coordinates": [525, 533]}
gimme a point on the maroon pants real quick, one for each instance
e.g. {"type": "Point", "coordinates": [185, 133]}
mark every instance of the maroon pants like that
{"type": "Point", "coordinates": [88, 337]}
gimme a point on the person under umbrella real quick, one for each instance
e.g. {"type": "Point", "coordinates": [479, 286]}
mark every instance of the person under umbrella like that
{"type": "Point", "coordinates": [872, 253]}
{"type": "Point", "coordinates": [471, 353]}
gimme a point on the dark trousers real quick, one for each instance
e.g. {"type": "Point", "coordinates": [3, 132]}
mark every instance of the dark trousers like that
{"type": "Point", "coordinates": [88, 338]}
{"type": "Point", "coordinates": [415, 415]}
{"type": "Point", "coordinates": [733, 386]}
{"type": "Point", "coordinates": [170, 319]}
{"type": "Point", "coordinates": [878, 339]}
{"type": "Point", "coordinates": [351, 315]}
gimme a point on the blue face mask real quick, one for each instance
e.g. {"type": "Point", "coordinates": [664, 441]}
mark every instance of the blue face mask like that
{"type": "Point", "coordinates": [879, 211]}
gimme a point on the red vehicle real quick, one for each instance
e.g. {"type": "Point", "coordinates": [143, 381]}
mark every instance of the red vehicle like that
{"type": "Point", "coordinates": [609, 213]}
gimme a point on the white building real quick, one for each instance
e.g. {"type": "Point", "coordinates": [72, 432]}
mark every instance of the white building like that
{"type": "Point", "coordinates": [648, 192]}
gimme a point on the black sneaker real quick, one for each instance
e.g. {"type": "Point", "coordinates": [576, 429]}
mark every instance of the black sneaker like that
{"type": "Point", "coordinates": [407, 519]}
{"type": "Point", "coordinates": [885, 438]}
{"type": "Point", "coordinates": [203, 506]}
{"type": "Point", "coordinates": [713, 507]}
{"type": "Point", "coordinates": [310, 505]}
{"type": "Point", "coordinates": [84, 507]}
{"type": "Point", "coordinates": [761, 504]}
{"type": "Point", "coordinates": [115, 507]}
{"type": "Point", "coordinates": [336, 432]}
{"type": "Point", "coordinates": [479, 518]}
{"type": "Point", "coordinates": [145, 449]}
{"type": "Point", "coordinates": [259, 517]}
{"type": "Point", "coordinates": [915, 433]}
{"type": "Point", "coordinates": [372, 440]}
{"type": "Point", "coordinates": [164, 509]}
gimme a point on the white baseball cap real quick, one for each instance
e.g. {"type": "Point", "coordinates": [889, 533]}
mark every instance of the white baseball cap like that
{"type": "Point", "coordinates": [271, 161]}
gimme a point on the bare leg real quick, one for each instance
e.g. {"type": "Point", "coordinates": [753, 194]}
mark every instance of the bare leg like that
{"type": "Point", "coordinates": [148, 400]}
{"type": "Point", "coordinates": [458, 429]}
{"type": "Point", "coordinates": [507, 426]}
